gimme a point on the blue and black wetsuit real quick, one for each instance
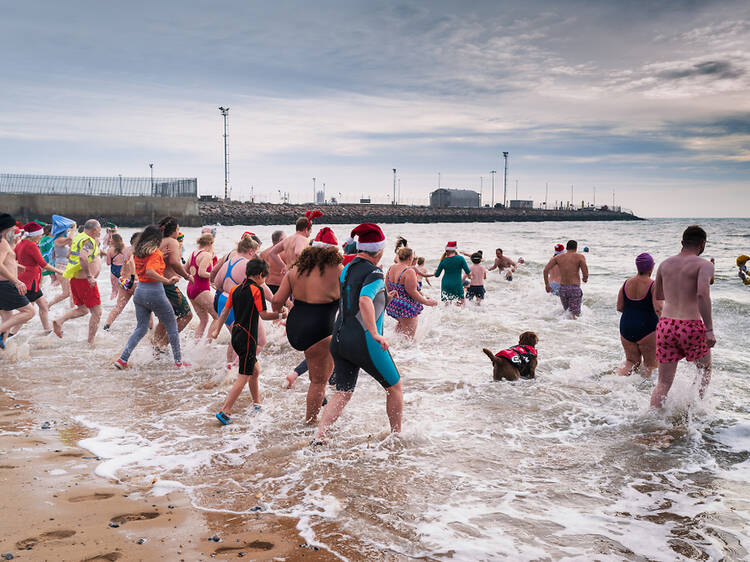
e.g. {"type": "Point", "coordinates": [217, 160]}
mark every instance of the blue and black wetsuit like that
{"type": "Point", "coordinates": [352, 346]}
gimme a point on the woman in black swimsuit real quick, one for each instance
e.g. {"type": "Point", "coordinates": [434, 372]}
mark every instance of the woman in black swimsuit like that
{"type": "Point", "coordinates": [313, 283]}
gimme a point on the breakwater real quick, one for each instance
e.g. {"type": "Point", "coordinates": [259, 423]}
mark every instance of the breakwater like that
{"type": "Point", "coordinates": [266, 213]}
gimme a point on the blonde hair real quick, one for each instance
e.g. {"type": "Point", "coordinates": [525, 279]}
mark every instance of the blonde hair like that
{"type": "Point", "coordinates": [205, 240]}
{"type": "Point", "coordinates": [405, 253]}
{"type": "Point", "coordinates": [246, 244]}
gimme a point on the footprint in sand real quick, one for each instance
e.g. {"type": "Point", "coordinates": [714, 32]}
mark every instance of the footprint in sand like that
{"type": "Point", "coordinates": [44, 537]}
{"type": "Point", "coordinates": [109, 557]}
{"type": "Point", "coordinates": [8, 466]}
{"type": "Point", "coordinates": [91, 497]}
{"type": "Point", "coordinates": [122, 519]}
{"type": "Point", "coordinates": [255, 545]}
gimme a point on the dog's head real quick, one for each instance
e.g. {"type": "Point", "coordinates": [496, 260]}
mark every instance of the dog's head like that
{"type": "Point", "coordinates": [528, 338]}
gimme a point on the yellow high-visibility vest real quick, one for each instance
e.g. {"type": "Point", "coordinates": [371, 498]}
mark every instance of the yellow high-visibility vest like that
{"type": "Point", "coordinates": [74, 265]}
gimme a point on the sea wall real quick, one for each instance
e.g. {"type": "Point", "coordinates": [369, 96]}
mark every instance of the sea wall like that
{"type": "Point", "coordinates": [124, 211]}
{"type": "Point", "coordinates": [266, 213]}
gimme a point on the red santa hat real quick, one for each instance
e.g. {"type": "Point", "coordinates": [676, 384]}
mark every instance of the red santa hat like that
{"type": "Point", "coordinates": [370, 237]}
{"type": "Point", "coordinates": [559, 249]}
{"type": "Point", "coordinates": [451, 246]}
{"type": "Point", "coordinates": [32, 229]}
{"type": "Point", "coordinates": [325, 239]}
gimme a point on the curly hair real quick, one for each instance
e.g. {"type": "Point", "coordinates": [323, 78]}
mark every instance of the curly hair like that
{"type": "Point", "coordinates": [313, 256]}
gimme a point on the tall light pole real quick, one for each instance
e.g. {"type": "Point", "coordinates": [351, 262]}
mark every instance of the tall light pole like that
{"type": "Point", "coordinates": [492, 175]}
{"type": "Point", "coordinates": [516, 189]}
{"type": "Point", "coordinates": [438, 180]}
{"type": "Point", "coordinates": [505, 181]}
{"type": "Point", "coordinates": [225, 112]}
{"type": "Point", "coordinates": [546, 194]}
{"type": "Point", "coordinates": [481, 187]}
{"type": "Point", "coordinates": [324, 193]}
{"type": "Point", "coordinates": [151, 165]}
{"type": "Point", "coordinates": [394, 186]}
{"type": "Point", "coordinates": [314, 193]}
{"type": "Point", "coordinates": [399, 191]}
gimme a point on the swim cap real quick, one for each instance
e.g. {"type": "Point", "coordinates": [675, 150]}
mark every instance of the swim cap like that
{"type": "Point", "coordinates": [559, 249]}
{"type": "Point", "coordinates": [180, 236]}
{"type": "Point", "coordinates": [585, 248]}
{"type": "Point", "coordinates": [644, 262]}
{"type": "Point", "coordinates": [741, 260]}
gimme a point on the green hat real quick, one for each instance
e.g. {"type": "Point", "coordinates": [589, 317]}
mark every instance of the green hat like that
{"type": "Point", "coordinates": [110, 225]}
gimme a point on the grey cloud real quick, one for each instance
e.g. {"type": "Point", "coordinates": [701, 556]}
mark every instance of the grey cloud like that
{"type": "Point", "coordinates": [718, 69]}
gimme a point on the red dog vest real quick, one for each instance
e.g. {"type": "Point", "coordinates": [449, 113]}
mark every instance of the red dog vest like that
{"type": "Point", "coordinates": [520, 356]}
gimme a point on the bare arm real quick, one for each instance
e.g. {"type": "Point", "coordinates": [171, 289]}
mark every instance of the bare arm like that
{"type": "Point", "coordinates": [176, 264]}
{"type": "Point", "coordinates": [658, 304]}
{"type": "Point", "coordinates": [83, 259]}
{"type": "Point", "coordinates": [547, 268]}
{"type": "Point", "coordinates": [410, 284]}
{"type": "Point", "coordinates": [215, 271]}
{"type": "Point", "coordinates": [213, 332]}
{"type": "Point", "coordinates": [584, 270]}
{"type": "Point", "coordinates": [494, 265]}
{"type": "Point", "coordinates": [7, 273]}
{"type": "Point", "coordinates": [705, 274]}
{"type": "Point", "coordinates": [659, 286]}
{"type": "Point", "coordinates": [275, 257]}
{"type": "Point", "coordinates": [283, 294]}
{"type": "Point", "coordinates": [203, 266]}
{"type": "Point", "coordinates": [151, 274]}
{"type": "Point", "coordinates": [621, 300]}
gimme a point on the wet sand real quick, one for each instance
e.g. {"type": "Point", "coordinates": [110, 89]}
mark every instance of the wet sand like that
{"type": "Point", "coordinates": [53, 507]}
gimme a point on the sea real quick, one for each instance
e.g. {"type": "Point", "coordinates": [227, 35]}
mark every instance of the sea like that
{"type": "Point", "coordinates": [570, 466]}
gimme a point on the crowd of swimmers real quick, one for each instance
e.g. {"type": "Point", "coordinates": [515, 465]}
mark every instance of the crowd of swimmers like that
{"type": "Point", "coordinates": [332, 299]}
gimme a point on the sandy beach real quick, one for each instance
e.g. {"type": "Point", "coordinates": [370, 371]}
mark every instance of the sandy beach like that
{"type": "Point", "coordinates": [53, 507]}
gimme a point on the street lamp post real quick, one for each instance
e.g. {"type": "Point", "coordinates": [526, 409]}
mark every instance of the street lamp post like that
{"type": "Point", "coordinates": [505, 180]}
{"type": "Point", "coordinates": [492, 175]}
{"type": "Point", "coordinates": [394, 186]}
{"type": "Point", "coordinates": [314, 193]}
{"type": "Point", "coordinates": [151, 165]}
{"type": "Point", "coordinates": [225, 112]}
{"type": "Point", "coordinates": [324, 193]}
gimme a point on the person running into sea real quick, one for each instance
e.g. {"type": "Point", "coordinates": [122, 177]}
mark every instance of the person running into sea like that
{"type": "Point", "coordinates": [640, 315]}
{"type": "Point", "coordinates": [573, 269]}
{"type": "Point", "coordinates": [313, 282]}
{"type": "Point", "coordinates": [12, 289]}
{"type": "Point", "coordinates": [29, 256]}
{"type": "Point", "coordinates": [84, 265]}
{"type": "Point", "coordinates": [199, 289]}
{"type": "Point", "coordinates": [115, 261]}
{"type": "Point", "coordinates": [503, 263]}
{"type": "Point", "coordinates": [409, 302]}
{"type": "Point", "coordinates": [451, 286]}
{"type": "Point", "coordinates": [150, 295]}
{"type": "Point", "coordinates": [400, 243]}
{"type": "Point", "coordinates": [248, 305]}
{"type": "Point", "coordinates": [170, 250]}
{"type": "Point", "coordinates": [554, 272]}
{"type": "Point", "coordinates": [125, 284]}
{"type": "Point", "coordinates": [60, 251]}
{"type": "Point", "coordinates": [285, 252]}
{"type": "Point", "coordinates": [45, 247]}
{"type": "Point", "coordinates": [476, 279]}
{"type": "Point", "coordinates": [274, 272]}
{"type": "Point", "coordinates": [685, 329]}
{"type": "Point", "coordinates": [358, 341]}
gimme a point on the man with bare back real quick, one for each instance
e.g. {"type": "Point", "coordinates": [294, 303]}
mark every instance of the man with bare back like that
{"type": "Point", "coordinates": [284, 253]}
{"type": "Point", "coordinates": [685, 329]}
{"type": "Point", "coordinates": [572, 267]}
{"type": "Point", "coordinates": [170, 250]}
{"type": "Point", "coordinates": [275, 274]}
{"type": "Point", "coordinates": [12, 289]}
{"type": "Point", "coordinates": [503, 263]}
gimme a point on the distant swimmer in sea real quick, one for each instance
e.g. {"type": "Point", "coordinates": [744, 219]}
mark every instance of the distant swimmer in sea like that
{"type": "Point", "coordinates": [640, 315]}
{"type": "Point", "coordinates": [248, 304]}
{"type": "Point", "coordinates": [451, 287]}
{"type": "Point", "coordinates": [503, 264]}
{"type": "Point", "coordinates": [358, 341]}
{"type": "Point", "coordinates": [84, 265]}
{"type": "Point", "coordinates": [150, 296]}
{"type": "Point", "coordinates": [685, 329]}
{"type": "Point", "coordinates": [476, 279]}
{"type": "Point", "coordinates": [313, 282]}
{"type": "Point", "coordinates": [573, 270]}
{"type": "Point", "coordinates": [12, 289]}
{"type": "Point", "coordinates": [408, 303]}
{"type": "Point", "coordinates": [742, 268]}
{"type": "Point", "coordinates": [554, 272]}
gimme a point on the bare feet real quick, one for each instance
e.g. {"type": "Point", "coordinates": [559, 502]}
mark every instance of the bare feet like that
{"type": "Point", "coordinates": [291, 378]}
{"type": "Point", "coordinates": [57, 329]}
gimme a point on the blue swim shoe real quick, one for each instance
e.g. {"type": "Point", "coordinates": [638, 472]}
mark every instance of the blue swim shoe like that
{"type": "Point", "coordinates": [223, 418]}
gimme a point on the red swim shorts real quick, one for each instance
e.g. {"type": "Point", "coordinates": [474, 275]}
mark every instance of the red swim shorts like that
{"type": "Point", "coordinates": [84, 294]}
{"type": "Point", "coordinates": [680, 339]}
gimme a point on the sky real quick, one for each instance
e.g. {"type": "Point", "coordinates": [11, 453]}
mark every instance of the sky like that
{"type": "Point", "coordinates": [645, 101]}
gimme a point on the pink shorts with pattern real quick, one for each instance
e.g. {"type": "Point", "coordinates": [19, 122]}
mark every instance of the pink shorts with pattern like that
{"type": "Point", "coordinates": [680, 339]}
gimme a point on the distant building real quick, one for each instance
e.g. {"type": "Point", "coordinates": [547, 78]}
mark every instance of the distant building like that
{"type": "Point", "coordinates": [454, 198]}
{"type": "Point", "coordinates": [521, 204]}
{"type": "Point", "coordinates": [319, 197]}
{"type": "Point", "coordinates": [364, 200]}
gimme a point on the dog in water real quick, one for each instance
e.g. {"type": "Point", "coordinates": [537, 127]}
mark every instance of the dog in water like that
{"type": "Point", "coordinates": [517, 362]}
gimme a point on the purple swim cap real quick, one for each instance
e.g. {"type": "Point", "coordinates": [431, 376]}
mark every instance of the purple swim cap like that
{"type": "Point", "coordinates": [644, 262]}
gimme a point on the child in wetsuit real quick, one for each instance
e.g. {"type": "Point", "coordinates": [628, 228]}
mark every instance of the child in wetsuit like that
{"type": "Point", "coordinates": [249, 304]}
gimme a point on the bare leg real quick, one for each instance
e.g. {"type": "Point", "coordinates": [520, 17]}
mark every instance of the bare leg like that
{"type": "Point", "coordinates": [704, 370]}
{"type": "Point", "coordinates": [394, 406]}
{"type": "Point", "coordinates": [647, 347]}
{"type": "Point", "coordinates": [664, 383]}
{"type": "Point", "coordinates": [320, 363]}
{"type": "Point", "coordinates": [123, 297]}
{"type": "Point", "coordinates": [632, 357]}
{"type": "Point", "coordinates": [43, 312]}
{"type": "Point", "coordinates": [252, 384]}
{"type": "Point", "coordinates": [96, 315]}
{"type": "Point", "coordinates": [160, 334]}
{"type": "Point", "coordinates": [65, 284]}
{"type": "Point", "coordinates": [115, 284]}
{"type": "Point", "coordinates": [234, 393]}
{"type": "Point", "coordinates": [407, 326]}
{"type": "Point", "coordinates": [73, 313]}
{"type": "Point", "coordinates": [203, 305]}
{"type": "Point", "coordinates": [332, 412]}
{"type": "Point", "coordinates": [24, 314]}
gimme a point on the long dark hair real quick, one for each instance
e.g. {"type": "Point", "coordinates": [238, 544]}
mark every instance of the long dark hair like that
{"type": "Point", "coordinates": [148, 242]}
{"type": "Point", "coordinates": [314, 256]}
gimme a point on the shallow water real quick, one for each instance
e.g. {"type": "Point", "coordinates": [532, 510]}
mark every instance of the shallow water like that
{"type": "Point", "coordinates": [571, 465]}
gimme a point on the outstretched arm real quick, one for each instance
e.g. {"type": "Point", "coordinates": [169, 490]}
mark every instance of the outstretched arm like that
{"type": "Point", "coordinates": [547, 268]}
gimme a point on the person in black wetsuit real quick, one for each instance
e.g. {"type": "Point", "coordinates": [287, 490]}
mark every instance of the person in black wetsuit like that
{"type": "Point", "coordinates": [640, 314]}
{"type": "Point", "coordinates": [313, 283]}
{"type": "Point", "coordinates": [358, 341]}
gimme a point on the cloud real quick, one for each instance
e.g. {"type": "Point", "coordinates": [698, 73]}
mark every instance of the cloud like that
{"type": "Point", "coordinates": [721, 70]}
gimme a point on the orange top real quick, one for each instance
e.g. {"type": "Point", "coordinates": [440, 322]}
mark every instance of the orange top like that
{"type": "Point", "coordinates": [155, 261]}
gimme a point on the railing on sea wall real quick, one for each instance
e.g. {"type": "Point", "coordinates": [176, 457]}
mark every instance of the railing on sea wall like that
{"type": "Point", "coordinates": [110, 186]}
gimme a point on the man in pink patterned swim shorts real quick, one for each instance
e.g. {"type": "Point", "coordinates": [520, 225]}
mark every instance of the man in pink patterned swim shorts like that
{"type": "Point", "coordinates": [572, 269]}
{"type": "Point", "coordinates": [685, 329]}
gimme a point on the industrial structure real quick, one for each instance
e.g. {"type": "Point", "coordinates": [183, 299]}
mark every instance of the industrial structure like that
{"type": "Point", "coordinates": [521, 204]}
{"type": "Point", "coordinates": [113, 186]}
{"type": "Point", "coordinates": [442, 198]}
